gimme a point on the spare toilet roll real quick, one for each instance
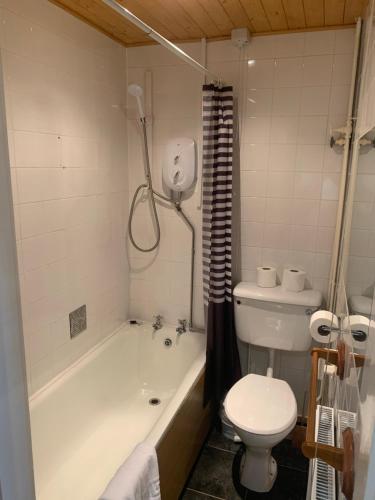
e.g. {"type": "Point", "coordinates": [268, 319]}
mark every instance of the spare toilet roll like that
{"type": "Point", "coordinates": [293, 280]}
{"type": "Point", "coordinates": [323, 318]}
{"type": "Point", "coordinates": [356, 322]}
{"type": "Point", "coordinates": [266, 277]}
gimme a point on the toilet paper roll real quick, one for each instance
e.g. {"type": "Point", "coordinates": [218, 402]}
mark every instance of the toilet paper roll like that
{"type": "Point", "coordinates": [293, 280]}
{"type": "Point", "coordinates": [266, 277]}
{"type": "Point", "coordinates": [318, 321]}
{"type": "Point", "coordinates": [356, 322]}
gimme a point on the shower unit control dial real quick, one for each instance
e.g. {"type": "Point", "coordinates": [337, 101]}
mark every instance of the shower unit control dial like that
{"type": "Point", "coordinates": [179, 169]}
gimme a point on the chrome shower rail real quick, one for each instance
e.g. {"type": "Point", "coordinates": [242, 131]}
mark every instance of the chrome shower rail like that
{"type": "Point", "coordinates": [124, 12]}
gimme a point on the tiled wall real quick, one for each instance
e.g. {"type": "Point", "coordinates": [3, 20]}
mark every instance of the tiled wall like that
{"type": "Point", "coordinates": [297, 91]}
{"type": "Point", "coordinates": [160, 279]}
{"type": "Point", "coordinates": [294, 89]}
{"type": "Point", "coordinates": [65, 96]}
{"type": "Point", "coordinates": [361, 261]}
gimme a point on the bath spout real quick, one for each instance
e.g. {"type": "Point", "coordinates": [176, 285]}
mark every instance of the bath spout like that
{"type": "Point", "coordinates": [182, 324]}
{"type": "Point", "coordinates": [157, 324]}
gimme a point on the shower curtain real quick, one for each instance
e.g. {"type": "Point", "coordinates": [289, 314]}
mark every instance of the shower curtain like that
{"type": "Point", "coordinates": [222, 363]}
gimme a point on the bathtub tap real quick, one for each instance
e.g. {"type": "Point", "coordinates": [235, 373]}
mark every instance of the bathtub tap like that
{"type": "Point", "coordinates": [182, 323]}
{"type": "Point", "coordinates": [157, 324]}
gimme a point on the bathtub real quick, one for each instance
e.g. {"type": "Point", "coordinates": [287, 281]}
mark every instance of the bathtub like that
{"type": "Point", "coordinates": [128, 389]}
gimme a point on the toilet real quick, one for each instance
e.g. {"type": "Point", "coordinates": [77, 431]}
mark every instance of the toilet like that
{"type": "Point", "coordinates": [263, 409]}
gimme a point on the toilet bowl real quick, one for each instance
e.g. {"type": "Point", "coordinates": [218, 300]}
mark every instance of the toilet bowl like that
{"type": "Point", "coordinates": [263, 410]}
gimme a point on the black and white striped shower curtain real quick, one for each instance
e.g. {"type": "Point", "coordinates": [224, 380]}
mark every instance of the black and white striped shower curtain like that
{"type": "Point", "coordinates": [222, 365]}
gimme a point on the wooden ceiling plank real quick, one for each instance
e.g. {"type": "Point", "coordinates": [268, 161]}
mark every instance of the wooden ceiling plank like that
{"type": "Point", "coordinates": [295, 14]}
{"type": "Point", "coordinates": [218, 14]}
{"type": "Point", "coordinates": [237, 13]}
{"type": "Point", "coordinates": [256, 14]}
{"type": "Point", "coordinates": [140, 10]}
{"type": "Point", "coordinates": [179, 15]}
{"type": "Point", "coordinates": [353, 10]}
{"type": "Point", "coordinates": [275, 13]}
{"type": "Point", "coordinates": [188, 20]}
{"type": "Point", "coordinates": [200, 16]}
{"type": "Point", "coordinates": [158, 10]}
{"type": "Point", "coordinates": [314, 13]}
{"type": "Point", "coordinates": [334, 12]}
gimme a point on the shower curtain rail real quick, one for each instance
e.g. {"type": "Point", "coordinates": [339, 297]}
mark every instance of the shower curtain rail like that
{"type": "Point", "coordinates": [124, 12]}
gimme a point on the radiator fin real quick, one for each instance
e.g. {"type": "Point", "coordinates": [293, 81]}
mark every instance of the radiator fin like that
{"type": "Point", "coordinates": [323, 482]}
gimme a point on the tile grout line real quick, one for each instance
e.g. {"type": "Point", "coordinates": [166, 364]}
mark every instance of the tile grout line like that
{"type": "Point", "coordinates": [205, 494]}
{"type": "Point", "coordinates": [220, 449]}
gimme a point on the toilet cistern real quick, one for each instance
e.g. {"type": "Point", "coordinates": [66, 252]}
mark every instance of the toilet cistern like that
{"type": "Point", "coordinates": [262, 409]}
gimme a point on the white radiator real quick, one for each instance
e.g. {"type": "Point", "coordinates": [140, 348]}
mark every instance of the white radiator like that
{"type": "Point", "coordinates": [344, 419]}
{"type": "Point", "coordinates": [323, 484]}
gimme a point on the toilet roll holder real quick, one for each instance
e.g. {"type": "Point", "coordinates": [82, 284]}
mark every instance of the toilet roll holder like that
{"type": "Point", "coordinates": [358, 335]}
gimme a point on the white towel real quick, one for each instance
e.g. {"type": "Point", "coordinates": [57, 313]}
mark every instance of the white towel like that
{"type": "Point", "coordinates": [137, 478]}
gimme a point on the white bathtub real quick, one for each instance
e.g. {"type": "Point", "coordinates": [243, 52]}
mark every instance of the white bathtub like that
{"type": "Point", "coordinates": [86, 422]}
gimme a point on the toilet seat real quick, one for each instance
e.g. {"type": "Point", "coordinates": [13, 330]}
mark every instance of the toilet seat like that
{"type": "Point", "coordinates": [261, 405]}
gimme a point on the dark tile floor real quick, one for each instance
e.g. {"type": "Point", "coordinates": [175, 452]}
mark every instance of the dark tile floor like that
{"type": "Point", "coordinates": [212, 474]}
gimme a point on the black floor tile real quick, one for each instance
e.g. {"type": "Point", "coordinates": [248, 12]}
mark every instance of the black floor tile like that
{"type": "Point", "coordinates": [288, 456]}
{"type": "Point", "coordinates": [290, 484]}
{"type": "Point", "coordinates": [217, 440]}
{"type": "Point", "coordinates": [213, 474]}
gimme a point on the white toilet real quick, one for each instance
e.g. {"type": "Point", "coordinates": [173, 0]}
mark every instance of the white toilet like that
{"type": "Point", "coordinates": [262, 409]}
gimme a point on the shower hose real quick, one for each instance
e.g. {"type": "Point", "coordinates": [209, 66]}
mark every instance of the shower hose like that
{"type": "Point", "coordinates": [151, 192]}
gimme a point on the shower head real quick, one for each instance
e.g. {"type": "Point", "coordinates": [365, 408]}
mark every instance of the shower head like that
{"type": "Point", "coordinates": [137, 92]}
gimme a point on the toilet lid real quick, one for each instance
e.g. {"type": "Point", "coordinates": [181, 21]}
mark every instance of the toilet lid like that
{"type": "Point", "coordinates": [262, 405]}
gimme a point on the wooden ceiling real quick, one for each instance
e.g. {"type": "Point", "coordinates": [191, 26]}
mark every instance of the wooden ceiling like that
{"type": "Point", "coordinates": [183, 20]}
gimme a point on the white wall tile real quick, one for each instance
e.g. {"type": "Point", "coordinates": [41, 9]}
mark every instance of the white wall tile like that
{"type": "Point", "coordinates": [37, 150]}
{"type": "Point", "coordinates": [305, 212]}
{"type": "Point", "coordinates": [257, 130]}
{"type": "Point", "coordinates": [41, 217]}
{"type": "Point", "coordinates": [317, 70]}
{"type": "Point", "coordinates": [288, 72]}
{"type": "Point", "coordinates": [282, 157]}
{"type": "Point", "coordinates": [319, 43]}
{"type": "Point", "coordinates": [308, 185]}
{"type": "Point", "coordinates": [315, 100]}
{"type": "Point", "coordinates": [286, 101]}
{"type": "Point", "coordinates": [342, 69]}
{"type": "Point", "coordinates": [303, 238]}
{"type": "Point", "coordinates": [284, 130]}
{"type": "Point", "coordinates": [253, 209]}
{"type": "Point", "coordinates": [254, 156]}
{"type": "Point", "coordinates": [42, 250]}
{"type": "Point", "coordinates": [253, 183]}
{"type": "Point", "coordinates": [279, 211]}
{"type": "Point", "coordinates": [289, 45]}
{"type": "Point", "coordinates": [252, 234]}
{"type": "Point", "coordinates": [259, 102]}
{"type": "Point", "coordinates": [312, 130]}
{"type": "Point", "coordinates": [64, 95]}
{"type": "Point", "coordinates": [261, 74]}
{"type": "Point", "coordinates": [330, 186]}
{"type": "Point", "coordinates": [344, 41]}
{"type": "Point", "coordinates": [276, 236]}
{"type": "Point", "coordinates": [328, 213]}
{"type": "Point", "coordinates": [280, 184]}
{"type": "Point", "coordinates": [310, 158]}
{"type": "Point", "coordinates": [325, 238]}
